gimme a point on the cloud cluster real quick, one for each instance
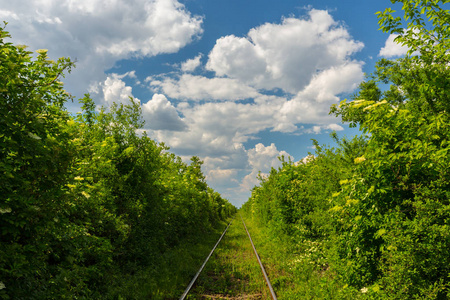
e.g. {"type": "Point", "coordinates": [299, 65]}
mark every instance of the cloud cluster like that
{"type": "Point", "coordinates": [97, 33]}
{"type": "Point", "coordinates": [191, 64]}
{"type": "Point", "coordinates": [285, 55]}
{"type": "Point", "coordinates": [160, 114]}
{"type": "Point", "coordinates": [193, 87]}
{"type": "Point", "coordinates": [392, 48]}
{"type": "Point", "coordinates": [114, 89]}
{"type": "Point", "coordinates": [307, 60]}
{"type": "Point", "coordinates": [279, 77]}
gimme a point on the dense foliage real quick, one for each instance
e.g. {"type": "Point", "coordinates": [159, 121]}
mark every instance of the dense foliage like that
{"type": "Point", "coordinates": [378, 206]}
{"type": "Point", "coordinates": [84, 199]}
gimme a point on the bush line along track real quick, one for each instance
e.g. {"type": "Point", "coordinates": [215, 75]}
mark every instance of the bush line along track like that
{"type": "Point", "coordinates": [266, 278]}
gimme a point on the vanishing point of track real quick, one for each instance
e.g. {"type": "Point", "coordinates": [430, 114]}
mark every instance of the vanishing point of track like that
{"type": "Point", "coordinates": [266, 278]}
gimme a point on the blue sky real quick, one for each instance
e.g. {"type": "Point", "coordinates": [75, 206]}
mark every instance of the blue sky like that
{"type": "Point", "coordinates": [235, 82]}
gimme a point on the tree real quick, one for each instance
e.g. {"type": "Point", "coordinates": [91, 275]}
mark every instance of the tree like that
{"type": "Point", "coordinates": [393, 211]}
{"type": "Point", "coordinates": [85, 200]}
{"type": "Point", "coordinates": [35, 156]}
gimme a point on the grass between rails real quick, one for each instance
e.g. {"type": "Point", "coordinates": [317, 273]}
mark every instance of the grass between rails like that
{"type": "Point", "coordinates": [232, 271]}
{"type": "Point", "coordinates": [297, 271]}
{"type": "Point", "coordinates": [171, 272]}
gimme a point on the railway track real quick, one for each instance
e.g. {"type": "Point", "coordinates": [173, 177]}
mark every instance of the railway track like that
{"type": "Point", "coordinates": [188, 290]}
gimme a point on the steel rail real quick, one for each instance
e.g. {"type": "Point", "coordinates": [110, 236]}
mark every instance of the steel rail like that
{"type": "Point", "coordinates": [204, 263]}
{"type": "Point", "coordinates": [272, 292]}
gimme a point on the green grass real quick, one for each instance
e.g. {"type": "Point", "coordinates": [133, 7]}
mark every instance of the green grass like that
{"type": "Point", "coordinates": [298, 272]}
{"type": "Point", "coordinates": [170, 274]}
{"type": "Point", "coordinates": [233, 271]}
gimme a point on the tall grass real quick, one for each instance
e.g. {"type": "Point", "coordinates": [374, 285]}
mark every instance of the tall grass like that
{"type": "Point", "coordinates": [170, 273]}
{"type": "Point", "coordinates": [297, 271]}
{"type": "Point", "coordinates": [232, 271]}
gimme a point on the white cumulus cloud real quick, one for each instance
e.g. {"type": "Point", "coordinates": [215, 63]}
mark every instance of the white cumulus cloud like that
{"type": "Point", "coordinates": [318, 129]}
{"type": "Point", "coordinates": [306, 62]}
{"type": "Point", "coordinates": [191, 64]}
{"type": "Point", "coordinates": [97, 33]}
{"type": "Point", "coordinates": [392, 48]}
{"type": "Point", "coordinates": [312, 104]}
{"type": "Point", "coordinates": [285, 55]}
{"type": "Point", "coordinates": [160, 114]}
{"type": "Point", "coordinates": [114, 89]}
{"type": "Point", "coordinates": [221, 176]}
{"type": "Point", "coordinates": [193, 87]}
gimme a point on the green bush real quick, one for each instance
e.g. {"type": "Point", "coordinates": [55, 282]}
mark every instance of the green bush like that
{"type": "Point", "coordinates": [85, 200]}
{"type": "Point", "coordinates": [383, 215]}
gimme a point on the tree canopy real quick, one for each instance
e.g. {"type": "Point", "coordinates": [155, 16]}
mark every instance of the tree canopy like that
{"type": "Point", "coordinates": [85, 199]}
{"type": "Point", "coordinates": [381, 214]}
